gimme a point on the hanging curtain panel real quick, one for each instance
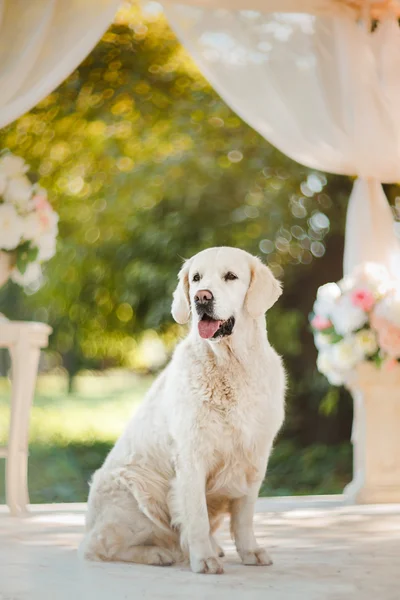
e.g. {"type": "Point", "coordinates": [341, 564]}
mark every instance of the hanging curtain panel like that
{"type": "Point", "coordinates": [375, 9]}
{"type": "Point", "coordinates": [41, 43]}
{"type": "Point", "coordinates": [318, 84]}
{"type": "Point", "coordinates": [323, 90]}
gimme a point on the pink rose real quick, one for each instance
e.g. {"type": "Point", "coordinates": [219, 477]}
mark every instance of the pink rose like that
{"type": "Point", "coordinates": [390, 364]}
{"type": "Point", "coordinates": [320, 323]}
{"type": "Point", "coordinates": [363, 298]}
{"type": "Point", "coordinates": [41, 203]}
{"type": "Point", "coordinates": [44, 219]}
{"type": "Point", "coordinates": [388, 336]}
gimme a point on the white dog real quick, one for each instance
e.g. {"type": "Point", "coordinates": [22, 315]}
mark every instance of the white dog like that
{"type": "Point", "coordinates": [198, 446]}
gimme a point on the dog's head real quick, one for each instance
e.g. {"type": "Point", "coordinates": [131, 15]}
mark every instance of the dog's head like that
{"type": "Point", "coordinates": [218, 287]}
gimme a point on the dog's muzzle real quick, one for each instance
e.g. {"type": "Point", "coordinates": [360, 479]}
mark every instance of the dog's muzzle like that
{"type": "Point", "coordinates": [210, 327]}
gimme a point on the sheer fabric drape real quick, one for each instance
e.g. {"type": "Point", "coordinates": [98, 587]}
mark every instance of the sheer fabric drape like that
{"type": "Point", "coordinates": [324, 90]}
{"type": "Point", "coordinates": [41, 43]}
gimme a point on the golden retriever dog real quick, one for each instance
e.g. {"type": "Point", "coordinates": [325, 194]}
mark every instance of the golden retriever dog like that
{"type": "Point", "coordinates": [198, 446]}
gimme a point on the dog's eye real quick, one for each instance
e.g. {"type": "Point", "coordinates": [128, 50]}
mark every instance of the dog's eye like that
{"type": "Point", "coordinates": [196, 277]}
{"type": "Point", "coordinates": [230, 276]}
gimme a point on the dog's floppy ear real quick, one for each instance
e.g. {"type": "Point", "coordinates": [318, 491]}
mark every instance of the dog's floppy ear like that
{"type": "Point", "coordinates": [181, 303]}
{"type": "Point", "coordinates": [264, 290]}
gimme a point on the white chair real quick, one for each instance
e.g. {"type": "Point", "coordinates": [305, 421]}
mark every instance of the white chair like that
{"type": "Point", "coordinates": [24, 341]}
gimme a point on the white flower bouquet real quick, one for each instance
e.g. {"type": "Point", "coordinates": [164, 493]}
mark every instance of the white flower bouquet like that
{"type": "Point", "coordinates": [355, 320]}
{"type": "Point", "coordinates": [28, 224]}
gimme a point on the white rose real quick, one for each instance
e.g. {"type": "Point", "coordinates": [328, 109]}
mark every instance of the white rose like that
{"type": "Point", "coordinates": [39, 224]}
{"type": "Point", "coordinates": [347, 284]}
{"type": "Point", "coordinates": [18, 192]}
{"type": "Point", "coordinates": [32, 275]}
{"type": "Point", "coordinates": [346, 317]}
{"type": "Point", "coordinates": [389, 308]}
{"type": "Point", "coordinates": [335, 377]}
{"type": "Point", "coordinates": [10, 227]}
{"type": "Point", "coordinates": [346, 354]}
{"type": "Point", "coordinates": [47, 247]}
{"type": "Point", "coordinates": [326, 366]}
{"type": "Point", "coordinates": [366, 342]}
{"type": "Point", "coordinates": [374, 277]}
{"type": "Point", "coordinates": [12, 166]}
{"type": "Point", "coordinates": [327, 295]}
{"type": "Point", "coordinates": [324, 361]}
{"type": "Point", "coordinates": [322, 341]}
{"type": "Point", "coordinates": [31, 226]}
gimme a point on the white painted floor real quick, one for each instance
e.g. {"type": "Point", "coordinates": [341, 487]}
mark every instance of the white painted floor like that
{"type": "Point", "coordinates": [322, 550]}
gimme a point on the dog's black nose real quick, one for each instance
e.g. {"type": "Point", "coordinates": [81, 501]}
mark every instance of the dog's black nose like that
{"type": "Point", "coordinates": [203, 297]}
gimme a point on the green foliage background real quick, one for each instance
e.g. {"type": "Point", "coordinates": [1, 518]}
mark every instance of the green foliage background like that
{"type": "Point", "coordinates": [146, 165]}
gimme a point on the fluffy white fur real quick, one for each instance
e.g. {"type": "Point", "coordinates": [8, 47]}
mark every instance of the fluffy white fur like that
{"type": "Point", "coordinates": [199, 444]}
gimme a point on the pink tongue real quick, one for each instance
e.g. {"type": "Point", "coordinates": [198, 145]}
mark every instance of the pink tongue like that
{"type": "Point", "coordinates": [208, 328]}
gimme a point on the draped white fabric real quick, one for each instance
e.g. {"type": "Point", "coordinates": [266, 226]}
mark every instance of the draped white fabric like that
{"type": "Point", "coordinates": [369, 228]}
{"type": "Point", "coordinates": [325, 91]}
{"type": "Point", "coordinates": [41, 43]}
{"type": "Point", "coordinates": [351, 8]}
{"type": "Point", "coordinates": [322, 89]}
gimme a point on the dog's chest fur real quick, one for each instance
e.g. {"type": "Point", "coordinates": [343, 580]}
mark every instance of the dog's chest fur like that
{"type": "Point", "coordinates": [232, 424]}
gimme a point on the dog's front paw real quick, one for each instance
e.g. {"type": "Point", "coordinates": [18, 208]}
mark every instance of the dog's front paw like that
{"type": "Point", "coordinates": [206, 565]}
{"type": "Point", "coordinates": [256, 557]}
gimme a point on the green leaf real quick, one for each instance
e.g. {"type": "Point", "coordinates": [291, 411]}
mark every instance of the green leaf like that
{"type": "Point", "coordinates": [25, 255]}
{"type": "Point", "coordinates": [22, 263]}
{"type": "Point", "coordinates": [335, 338]}
{"type": "Point", "coordinates": [328, 331]}
{"type": "Point", "coordinates": [329, 403]}
{"type": "Point", "coordinates": [33, 253]}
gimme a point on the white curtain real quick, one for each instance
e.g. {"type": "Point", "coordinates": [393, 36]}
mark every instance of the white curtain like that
{"type": "Point", "coordinates": [324, 90]}
{"type": "Point", "coordinates": [41, 43]}
{"type": "Point", "coordinates": [352, 8]}
{"type": "Point", "coordinates": [318, 85]}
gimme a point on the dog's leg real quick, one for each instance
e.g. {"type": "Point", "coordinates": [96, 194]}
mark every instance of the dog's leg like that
{"type": "Point", "coordinates": [242, 512]}
{"type": "Point", "coordinates": [215, 523]}
{"type": "Point", "coordinates": [193, 516]}
{"type": "Point", "coordinates": [216, 547]}
{"type": "Point", "coordinates": [111, 542]}
{"type": "Point", "coordinates": [143, 555]}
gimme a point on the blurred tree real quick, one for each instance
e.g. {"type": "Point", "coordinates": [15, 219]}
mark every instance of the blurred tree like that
{"type": "Point", "coordinates": [146, 165]}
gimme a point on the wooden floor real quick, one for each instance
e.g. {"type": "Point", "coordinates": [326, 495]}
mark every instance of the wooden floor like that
{"type": "Point", "coordinates": [322, 550]}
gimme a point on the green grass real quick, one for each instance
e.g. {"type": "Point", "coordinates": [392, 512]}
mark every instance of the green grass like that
{"type": "Point", "coordinates": [316, 469]}
{"type": "Point", "coordinates": [70, 435]}
{"type": "Point", "coordinates": [96, 411]}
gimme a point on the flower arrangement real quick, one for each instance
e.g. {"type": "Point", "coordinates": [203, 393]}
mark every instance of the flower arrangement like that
{"type": "Point", "coordinates": [28, 224]}
{"type": "Point", "coordinates": [355, 320]}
